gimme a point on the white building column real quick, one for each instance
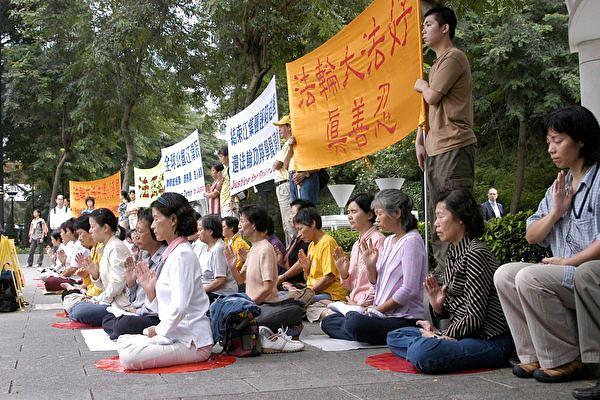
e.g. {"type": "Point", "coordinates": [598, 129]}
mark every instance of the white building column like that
{"type": "Point", "coordinates": [584, 38]}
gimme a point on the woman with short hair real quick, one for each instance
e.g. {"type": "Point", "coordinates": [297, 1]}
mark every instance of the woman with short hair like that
{"type": "Point", "coordinates": [396, 272]}
{"type": "Point", "coordinates": [539, 300]}
{"type": "Point", "coordinates": [108, 275]}
{"type": "Point", "coordinates": [183, 334]}
{"type": "Point", "coordinates": [477, 336]}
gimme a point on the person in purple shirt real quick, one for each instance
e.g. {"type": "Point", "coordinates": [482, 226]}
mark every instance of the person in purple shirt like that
{"type": "Point", "coordinates": [397, 273]}
{"type": "Point", "coordinates": [274, 240]}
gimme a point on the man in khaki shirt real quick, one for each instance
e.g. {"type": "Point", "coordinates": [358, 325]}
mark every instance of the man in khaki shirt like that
{"type": "Point", "coordinates": [281, 176]}
{"type": "Point", "coordinates": [448, 151]}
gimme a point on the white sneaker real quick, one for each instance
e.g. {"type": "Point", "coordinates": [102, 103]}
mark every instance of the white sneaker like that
{"type": "Point", "coordinates": [279, 342]}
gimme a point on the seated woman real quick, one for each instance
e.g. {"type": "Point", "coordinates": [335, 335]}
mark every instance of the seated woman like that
{"type": "Point", "coordinates": [177, 294]}
{"type": "Point", "coordinates": [152, 251]}
{"type": "Point", "coordinates": [542, 302]}
{"type": "Point", "coordinates": [216, 273]}
{"type": "Point", "coordinates": [260, 275]}
{"type": "Point", "coordinates": [73, 292]}
{"type": "Point", "coordinates": [109, 275]}
{"type": "Point", "coordinates": [71, 248]}
{"type": "Point", "coordinates": [353, 272]}
{"type": "Point", "coordinates": [397, 273]}
{"type": "Point", "coordinates": [322, 276]}
{"type": "Point", "coordinates": [234, 240]}
{"type": "Point", "coordinates": [259, 271]}
{"type": "Point", "coordinates": [477, 336]}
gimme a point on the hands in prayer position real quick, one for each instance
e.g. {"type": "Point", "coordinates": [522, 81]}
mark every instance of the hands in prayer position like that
{"type": "Point", "coordinates": [436, 293]}
{"type": "Point", "coordinates": [86, 262]}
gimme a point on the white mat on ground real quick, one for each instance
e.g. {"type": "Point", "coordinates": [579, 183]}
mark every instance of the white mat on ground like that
{"type": "Point", "coordinates": [326, 343]}
{"type": "Point", "coordinates": [98, 340]}
{"type": "Point", "coordinates": [51, 306]}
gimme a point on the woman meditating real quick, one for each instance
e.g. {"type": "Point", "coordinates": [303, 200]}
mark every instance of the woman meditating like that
{"type": "Point", "coordinates": [109, 276]}
{"type": "Point", "coordinates": [552, 308]}
{"type": "Point", "coordinates": [183, 334]}
{"type": "Point", "coordinates": [396, 272]}
{"type": "Point", "coordinates": [477, 336]}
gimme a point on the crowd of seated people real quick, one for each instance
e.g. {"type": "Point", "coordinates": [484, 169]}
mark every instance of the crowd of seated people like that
{"type": "Point", "coordinates": [155, 304]}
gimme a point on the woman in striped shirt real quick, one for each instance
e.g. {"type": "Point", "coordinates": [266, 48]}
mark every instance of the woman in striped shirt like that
{"type": "Point", "coordinates": [477, 336]}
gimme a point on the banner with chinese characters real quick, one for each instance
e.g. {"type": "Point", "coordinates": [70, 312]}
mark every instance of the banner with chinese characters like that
{"type": "Point", "coordinates": [253, 141]}
{"type": "Point", "coordinates": [149, 184]}
{"type": "Point", "coordinates": [354, 95]}
{"type": "Point", "coordinates": [106, 193]}
{"type": "Point", "coordinates": [183, 170]}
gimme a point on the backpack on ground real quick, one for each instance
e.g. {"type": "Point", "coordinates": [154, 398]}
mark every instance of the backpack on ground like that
{"type": "Point", "coordinates": [242, 338]}
{"type": "Point", "coordinates": [8, 294]}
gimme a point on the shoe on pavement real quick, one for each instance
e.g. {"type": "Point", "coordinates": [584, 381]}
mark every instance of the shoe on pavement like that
{"type": "Point", "coordinates": [279, 342]}
{"type": "Point", "coordinates": [525, 370]}
{"type": "Point", "coordinates": [589, 393]}
{"type": "Point", "coordinates": [564, 373]}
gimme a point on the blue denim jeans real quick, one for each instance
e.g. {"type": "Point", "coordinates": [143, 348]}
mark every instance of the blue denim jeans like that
{"type": "Point", "coordinates": [362, 328]}
{"type": "Point", "coordinates": [308, 190]}
{"type": "Point", "coordinates": [88, 313]}
{"type": "Point", "coordinates": [434, 356]}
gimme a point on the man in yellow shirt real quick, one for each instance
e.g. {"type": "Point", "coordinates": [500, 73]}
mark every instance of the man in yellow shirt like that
{"type": "Point", "coordinates": [320, 271]}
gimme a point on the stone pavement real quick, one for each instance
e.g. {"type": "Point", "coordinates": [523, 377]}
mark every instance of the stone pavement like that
{"type": "Point", "coordinates": [38, 361]}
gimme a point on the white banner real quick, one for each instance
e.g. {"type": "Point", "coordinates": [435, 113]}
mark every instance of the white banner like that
{"type": "Point", "coordinates": [183, 170]}
{"type": "Point", "coordinates": [253, 141]}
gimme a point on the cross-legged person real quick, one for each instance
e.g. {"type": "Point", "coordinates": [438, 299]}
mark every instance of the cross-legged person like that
{"type": "Point", "coordinates": [109, 275]}
{"type": "Point", "coordinates": [396, 271]}
{"type": "Point", "coordinates": [151, 255]}
{"type": "Point", "coordinates": [183, 334]}
{"type": "Point", "coordinates": [477, 336]}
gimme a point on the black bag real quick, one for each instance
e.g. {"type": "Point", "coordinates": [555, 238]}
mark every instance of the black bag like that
{"type": "Point", "coordinates": [241, 335]}
{"type": "Point", "coordinates": [8, 295]}
{"type": "Point", "coordinates": [323, 178]}
{"type": "Point", "coordinates": [286, 313]}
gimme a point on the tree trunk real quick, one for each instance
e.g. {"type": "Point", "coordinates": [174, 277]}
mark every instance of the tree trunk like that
{"type": "Point", "coordinates": [66, 139]}
{"type": "Point", "coordinates": [57, 173]}
{"type": "Point", "coordinates": [255, 83]}
{"type": "Point", "coordinates": [520, 173]}
{"type": "Point", "coordinates": [128, 167]}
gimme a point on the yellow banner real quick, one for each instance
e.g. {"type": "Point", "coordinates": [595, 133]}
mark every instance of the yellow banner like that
{"type": "Point", "coordinates": [106, 193]}
{"type": "Point", "coordinates": [354, 94]}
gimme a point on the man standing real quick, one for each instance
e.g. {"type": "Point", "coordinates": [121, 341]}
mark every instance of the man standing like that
{"type": "Point", "coordinates": [448, 151]}
{"type": "Point", "coordinates": [229, 203]}
{"type": "Point", "coordinates": [281, 176]}
{"type": "Point", "coordinates": [491, 208]}
{"type": "Point", "coordinates": [59, 214]}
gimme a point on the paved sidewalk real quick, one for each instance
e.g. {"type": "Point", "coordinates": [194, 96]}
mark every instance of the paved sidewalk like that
{"type": "Point", "coordinates": [38, 361]}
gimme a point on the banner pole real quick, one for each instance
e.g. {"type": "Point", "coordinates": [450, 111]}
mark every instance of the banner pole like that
{"type": "Point", "coordinates": [425, 208]}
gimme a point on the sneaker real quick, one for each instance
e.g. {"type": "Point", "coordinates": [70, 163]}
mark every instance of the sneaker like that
{"type": "Point", "coordinates": [525, 370]}
{"type": "Point", "coordinates": [564, 373]}
{"type": "Point", "coordinates": [294, 331]}
{"type": "Point", "coordinates": [279, 342]}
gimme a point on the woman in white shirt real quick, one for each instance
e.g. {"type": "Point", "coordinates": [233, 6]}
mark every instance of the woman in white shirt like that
{"type": "Point", "coordinates": [109, 275]}
{"type": "Point", "coordinates": [216, 274]}
{"type": "Point", "coordinates": [183, 334]}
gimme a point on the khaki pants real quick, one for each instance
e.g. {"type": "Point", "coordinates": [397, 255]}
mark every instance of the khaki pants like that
{"type": "Point", "coordinates": [140, 352]}
{"type": "Point", "coordinates": [587, 304]}
{"type": "Point", "coordinates": [284, 199]}
{"type": "Point", "coordinates": [230, 210]}
{"type": "Point", "coordinates": [454, 169]}
{"type": "Point", "coordinates": [540, 312]}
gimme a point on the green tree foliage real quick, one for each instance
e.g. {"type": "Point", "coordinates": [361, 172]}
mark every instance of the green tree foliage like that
{"type": "Point", "coordinates": [522, 70]}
